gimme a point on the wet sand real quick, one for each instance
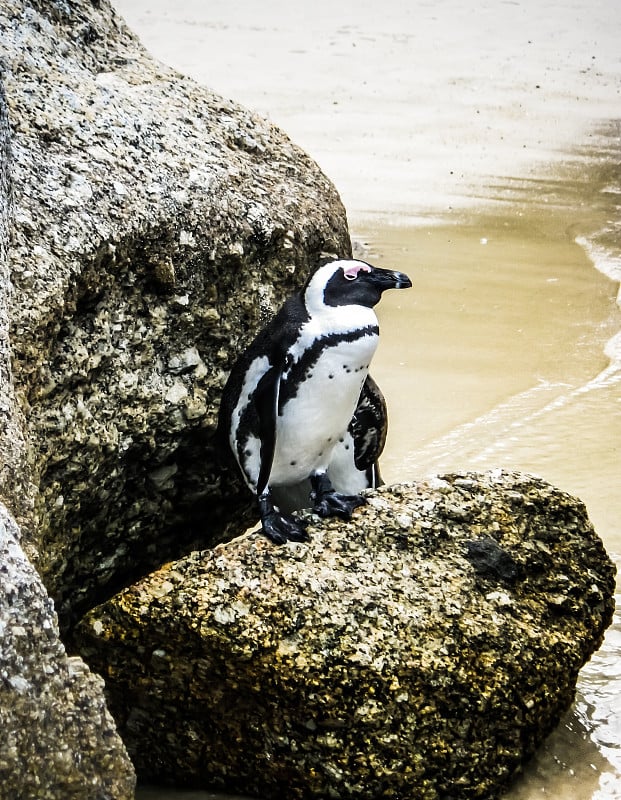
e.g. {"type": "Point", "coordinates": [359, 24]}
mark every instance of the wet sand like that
{"type": "Point", "coordinates": [507, 327]}
{"type": "Point", "coordinates": [471, 146]}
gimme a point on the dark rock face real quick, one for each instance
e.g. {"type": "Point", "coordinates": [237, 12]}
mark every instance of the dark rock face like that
{"type": "Point", "coordinates": [422, 650]}
{"type": "Point", "coordinates": [155, 222]}
{"type": "Point", "coordinates": [58, 740]}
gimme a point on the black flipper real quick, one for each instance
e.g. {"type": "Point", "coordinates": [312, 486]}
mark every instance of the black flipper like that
{"type": "Point", "coordinates": [368, 429]}
{"type": "Point", "coordinates": [266, 403]}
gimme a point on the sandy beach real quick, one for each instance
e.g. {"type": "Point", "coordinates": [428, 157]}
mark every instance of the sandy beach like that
{"type": "Point", "coordinates": [409, 108]}
{"type": "Point", "coordinates": [476, 148]}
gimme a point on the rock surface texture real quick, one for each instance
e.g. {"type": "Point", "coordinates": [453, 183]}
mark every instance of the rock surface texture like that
{"type": "Point", "coordinates": [146, 224]}
{"type": "Point", "coordinates": [155, 222]}
{"type": "Point", "coordinates": [14, 488]}
{"type": "Point", "coordinates": [58, 739]}
{"type": "Point", "coordinates": [423, 650]}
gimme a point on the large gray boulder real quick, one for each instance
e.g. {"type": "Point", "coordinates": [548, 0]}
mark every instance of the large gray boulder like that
{"type": "Point", "coordinates": [155, 222]}
{"type": "Point", "coordinates": [423, 650]}
{"type": "Point", "coordinates": [146, 224]}
{"type": "Point", "coordinates": [58, 739]}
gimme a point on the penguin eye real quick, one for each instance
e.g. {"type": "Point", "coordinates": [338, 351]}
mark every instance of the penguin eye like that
{"type": "Point", "coordinates": [351, 276]}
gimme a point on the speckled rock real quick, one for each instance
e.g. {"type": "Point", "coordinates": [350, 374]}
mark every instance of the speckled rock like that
{"type": "Point", "coordinates": [58, 739]}
{"type": "Point", "coordinates": [422, 650]}
{"type": "Point", "coordinates": [155, 222]}
{"type": "Point", "coordinates": [14, 485]}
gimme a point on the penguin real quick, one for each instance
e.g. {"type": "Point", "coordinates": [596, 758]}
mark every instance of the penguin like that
{"type": "Point", "coordinates": [299, 397]}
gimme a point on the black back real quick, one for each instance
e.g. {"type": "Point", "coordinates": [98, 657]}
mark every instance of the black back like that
{"type": "Point", "coordinates": [272, 341]}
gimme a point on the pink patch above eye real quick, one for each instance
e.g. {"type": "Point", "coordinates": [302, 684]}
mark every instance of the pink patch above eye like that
{"type": "Point", "coordinates": [351, 273]}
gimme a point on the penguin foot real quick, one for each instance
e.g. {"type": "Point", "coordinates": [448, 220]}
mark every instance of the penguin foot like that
{"type": "Point", "coordinates": [333, 504]}
{"type": "Point", "coordinates": [328, 503]}
{"type": "Point", "coordinates": [281, 528]}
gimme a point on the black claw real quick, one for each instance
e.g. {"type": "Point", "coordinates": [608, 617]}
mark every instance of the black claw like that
{"type": "Point", "coordinates": [272, 533]}
{"type": "Point", "coordinates": [328, 503]}
{"type": "Point", "coordinates": [333, 504]}
{"type": "Point", "coordinates": [281, 528]}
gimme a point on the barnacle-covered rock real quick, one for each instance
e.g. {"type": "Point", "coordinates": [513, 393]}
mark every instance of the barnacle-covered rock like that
{"type": "Point", "coordinates": [422, 650]}
{"type": "Point", "coordinates": [155, 222]}
{"type": "Point", "coordinates": [58, 740]}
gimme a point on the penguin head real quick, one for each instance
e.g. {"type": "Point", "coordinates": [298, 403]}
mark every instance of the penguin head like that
{"type": "Point", "coordinates": [351, 283]}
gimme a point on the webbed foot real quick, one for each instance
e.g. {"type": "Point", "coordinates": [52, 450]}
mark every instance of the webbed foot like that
{"type": "Point", "coordinates": [333, 504]}
{"type": "Point", "coordinates": [281, 528]}
{"type": "Point", "coordinates": [328, 503]}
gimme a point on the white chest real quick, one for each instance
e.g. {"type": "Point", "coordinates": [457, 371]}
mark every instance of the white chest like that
{"type": "Point", "coordinates": [313, 420]}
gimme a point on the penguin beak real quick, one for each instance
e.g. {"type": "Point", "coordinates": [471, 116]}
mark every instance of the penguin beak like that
{"type": "Point", "coordinates": [402, 281]}
{"type": "Point", "coordinates": [389, 279]}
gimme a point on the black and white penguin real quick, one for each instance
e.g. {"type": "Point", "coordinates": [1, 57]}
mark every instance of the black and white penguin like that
{"type": "Point", "coordinates": [298, 394]}
{"type": "Point", "coordinates": [354, 463]}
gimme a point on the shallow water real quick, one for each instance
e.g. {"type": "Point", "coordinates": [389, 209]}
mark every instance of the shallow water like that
{"type": "Point", "coordinates": [487, 127]}
{"type": "Point", "coordinates": [499, 361]}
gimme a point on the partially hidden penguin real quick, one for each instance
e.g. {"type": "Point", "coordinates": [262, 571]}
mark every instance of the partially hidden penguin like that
{"type": "Point", "coordinates": [299, 408]}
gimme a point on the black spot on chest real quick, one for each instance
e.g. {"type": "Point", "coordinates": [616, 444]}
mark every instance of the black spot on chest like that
{"type": "Point", "coordinates": [301, 369]}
